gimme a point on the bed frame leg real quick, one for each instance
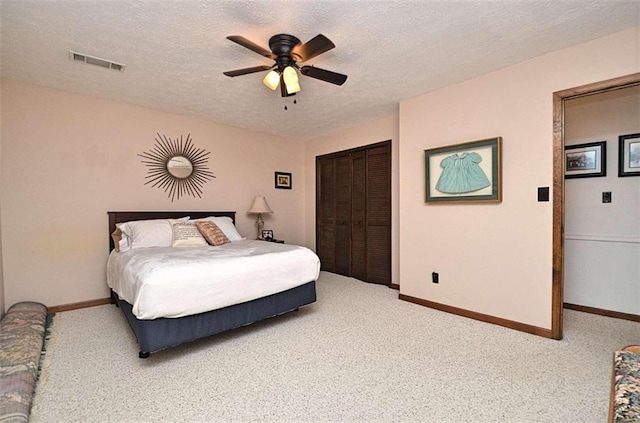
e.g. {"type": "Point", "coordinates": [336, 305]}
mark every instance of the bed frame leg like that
{"type": "Point", "coordinates": [113, 298]}
{"type": "Point", "coordinates": [144, 354]}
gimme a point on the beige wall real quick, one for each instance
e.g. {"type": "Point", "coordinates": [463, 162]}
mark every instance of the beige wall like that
{"type": "Point", "coordinates": [382, 129]}
{"type": "Point", "coordinates": [495, 258]}
{"type": "Point", "coordinates": [68, 159]}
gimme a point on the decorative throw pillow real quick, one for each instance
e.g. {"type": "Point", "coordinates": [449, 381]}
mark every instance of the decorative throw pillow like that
{"type": "Point", "coordinates": [120, 240]}
{"type": "Point", "coordinates": [212, 233]}
{"type": "Point", "coordinates": [186, 234]}
{"type": "Point", "coordinates": [226, 226]}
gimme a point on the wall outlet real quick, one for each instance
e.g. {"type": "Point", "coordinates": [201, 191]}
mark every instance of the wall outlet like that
{"type": "Point", "coordinates": [435, 277]}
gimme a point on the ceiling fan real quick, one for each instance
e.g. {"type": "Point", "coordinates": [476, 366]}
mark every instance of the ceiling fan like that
{"type": "Point", "coordinates": [287, 51]}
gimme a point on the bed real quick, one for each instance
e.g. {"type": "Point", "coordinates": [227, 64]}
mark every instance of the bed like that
{"type": "Point", "coordinates": [175, 324]}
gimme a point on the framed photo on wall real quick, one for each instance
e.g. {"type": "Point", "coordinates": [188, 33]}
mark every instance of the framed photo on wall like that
{"type": "Point", "coordinates": [283, 180]}
{"type": "Point", "coordinates": [629, 155]}
{"type": "Point", "coordinates": [467, 172]}
{"type": "Point", "coordinates": [585, 160]}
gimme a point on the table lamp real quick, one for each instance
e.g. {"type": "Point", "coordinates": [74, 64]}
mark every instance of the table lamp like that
{"type": "Point", "coordinates": [258, 207]}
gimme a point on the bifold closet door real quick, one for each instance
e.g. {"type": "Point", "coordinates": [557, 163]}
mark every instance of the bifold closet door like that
{"type": "Point", "coordinates": [353, 212]}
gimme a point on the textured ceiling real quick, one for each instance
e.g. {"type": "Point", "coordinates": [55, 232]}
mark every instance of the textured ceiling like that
{"type": "Point", "coordinates": [175, 51]}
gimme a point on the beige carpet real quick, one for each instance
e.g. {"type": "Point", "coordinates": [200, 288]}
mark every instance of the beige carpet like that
{"type": "Point", "coordinates": [358, 354]}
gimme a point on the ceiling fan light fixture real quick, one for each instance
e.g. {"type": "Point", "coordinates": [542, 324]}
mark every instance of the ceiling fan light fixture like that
{"type": "Point", "coordinates": [290, 75]}
{"type": "Point", "coordinates": [287, 51]}
{"type": "Point", "coordinates": [293, 88]}
{"type": "Point", "coordinates": [290, 78]}
{"type": "Point", "coordinates": [272, 80]}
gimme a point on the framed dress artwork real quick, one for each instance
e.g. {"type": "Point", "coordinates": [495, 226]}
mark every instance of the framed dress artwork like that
{"type": "Point", "coordinates": [467, 172]}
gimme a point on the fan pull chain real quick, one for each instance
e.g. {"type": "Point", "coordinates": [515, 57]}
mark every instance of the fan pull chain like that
{"type": "Point", "coordinates": [294, 102]}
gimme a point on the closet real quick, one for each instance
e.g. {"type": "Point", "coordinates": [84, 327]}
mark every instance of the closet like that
{"type": "Point", "coordinates": [353, 212]}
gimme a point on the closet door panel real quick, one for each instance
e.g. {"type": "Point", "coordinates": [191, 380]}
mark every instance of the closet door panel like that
{"type": "Point", "coordinates": [325, 214]}
{"type": "Point", "coordinates": [343, 216]}
{"type": "Point", "coordinates": [378, 256]}
{"type": "Point", "coordinates": [378, 224]}
{"type": "Point", "coordinates": [378, 186]}
{"type": "Point", "coordinates": [359, 215]}
{"type": "Point", "coordinates": [326, 252]}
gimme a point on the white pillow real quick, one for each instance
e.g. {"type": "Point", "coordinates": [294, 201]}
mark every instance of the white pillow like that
{"type": "Point", "coordinates": [186, 234]}
{"type": "Point", "coordinates": [226, 226]}
{"type": "Point", "coordinates": [124, 244]}
{"type": "Point", "coordinates": [148, 233]}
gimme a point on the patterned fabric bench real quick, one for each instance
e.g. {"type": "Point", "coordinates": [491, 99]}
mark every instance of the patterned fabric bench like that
{"type": "Point", "coordinates": [624, 405]}
{"type": "Point", "coordinates": [22, 331]}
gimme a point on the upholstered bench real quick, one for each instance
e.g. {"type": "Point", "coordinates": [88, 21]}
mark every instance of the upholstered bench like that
{"type": "Point", "coordinates": [22, 331]}
{"type": "Point", "coordinates": [624, 404]}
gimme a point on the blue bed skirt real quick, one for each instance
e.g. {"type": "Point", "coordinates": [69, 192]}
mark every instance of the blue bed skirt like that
{"type": "Point", "coordinates": [157, 334]}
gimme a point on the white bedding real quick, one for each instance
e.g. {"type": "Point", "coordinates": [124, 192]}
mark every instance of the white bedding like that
{"type": "Point", "coordinates": [176, 282]}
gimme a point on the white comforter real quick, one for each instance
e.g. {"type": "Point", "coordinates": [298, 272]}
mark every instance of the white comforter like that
{"type": "Point", "coordinates": [175, 282]}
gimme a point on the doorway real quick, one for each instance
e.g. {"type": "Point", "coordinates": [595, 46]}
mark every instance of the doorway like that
{"type": "Point", "coordinates": [557, 297]}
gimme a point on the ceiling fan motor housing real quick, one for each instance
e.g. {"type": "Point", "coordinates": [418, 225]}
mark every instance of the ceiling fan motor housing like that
{"type": "Point", "coordinates": [282, 46]}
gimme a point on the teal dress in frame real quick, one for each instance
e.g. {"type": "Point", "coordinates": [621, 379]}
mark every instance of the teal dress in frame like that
{"type": "Point", "coordinates": [462, 174]}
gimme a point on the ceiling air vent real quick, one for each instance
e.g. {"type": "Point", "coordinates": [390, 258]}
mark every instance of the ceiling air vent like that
{"type": "Point", "coordinates": [91, 60]}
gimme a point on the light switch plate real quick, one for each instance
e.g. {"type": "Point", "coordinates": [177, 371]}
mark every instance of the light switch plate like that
{"type": "Point", "coordinates": [543, 193]}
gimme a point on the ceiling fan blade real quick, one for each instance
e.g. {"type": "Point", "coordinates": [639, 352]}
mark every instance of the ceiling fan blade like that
{"type": "Point", "coordinates": [239, 39]}
{"type": "Point", "coordinates": [323, 75]}
{"type": "Point", "coordinates": [245, 71]}
{"type": "Point", "coordinates": [312, 48]}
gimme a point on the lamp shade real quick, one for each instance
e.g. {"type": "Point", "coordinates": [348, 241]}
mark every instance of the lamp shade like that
{"type": "Point", "coordinates": [291, 82]}
{"type": "Point", "coordinates": [293, 88]}
{"type": "Point", "coordinates": [272, 80]}
{"type": "Point", "coordinates": [290, 75]}
{"type": "Point", "coordinates": [260, 205]}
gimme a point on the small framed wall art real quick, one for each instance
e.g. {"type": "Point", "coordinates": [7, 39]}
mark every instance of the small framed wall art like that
{"type": "Point", "coordinates": [629, 155]}
{"type": "Point", "coordinates": [467, 172]}
{"type": "Point", "coordinates": [267, 234]}
{"type": "Point", "coordinates": [585, 160]}
{"type": "Point", "coordinates": [283, 180]}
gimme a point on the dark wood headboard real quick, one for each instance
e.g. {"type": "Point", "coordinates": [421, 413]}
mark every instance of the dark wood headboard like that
{"type": "Point", "coordinates": [127, 216]}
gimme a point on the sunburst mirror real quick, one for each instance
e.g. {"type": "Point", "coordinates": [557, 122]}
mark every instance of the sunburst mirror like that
{"type": "Point", "coordinates": [177, 167]}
